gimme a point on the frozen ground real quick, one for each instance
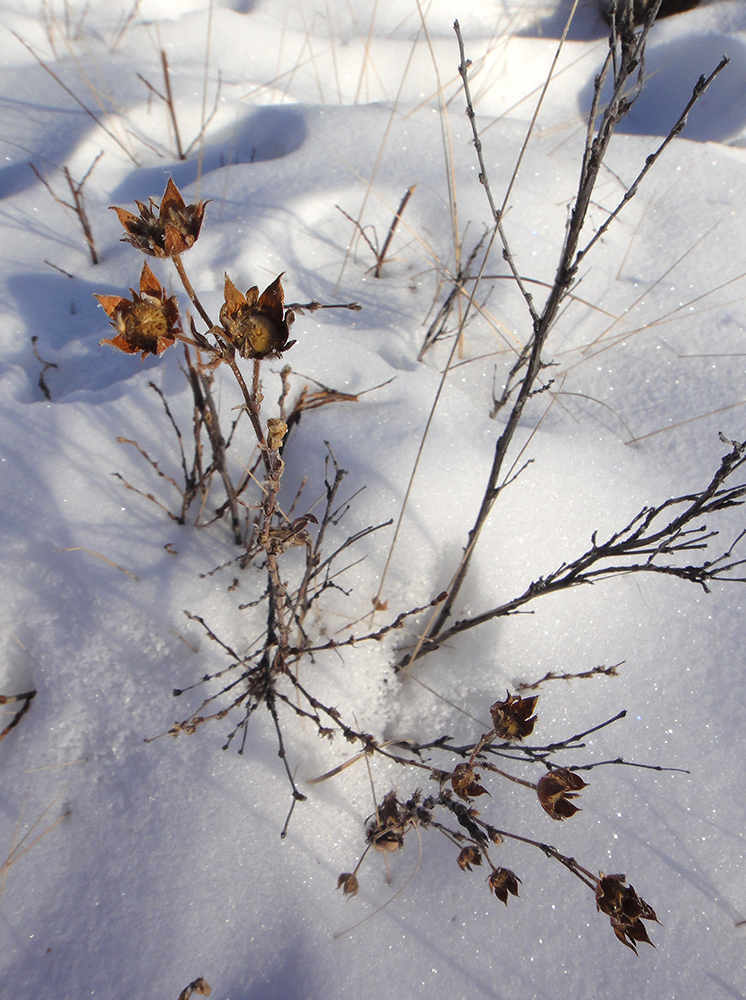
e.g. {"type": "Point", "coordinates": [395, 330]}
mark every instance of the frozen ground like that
{"type": "Point", "coordinates": [169, 865]}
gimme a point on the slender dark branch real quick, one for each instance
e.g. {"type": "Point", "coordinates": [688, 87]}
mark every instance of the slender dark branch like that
{"type": "Point", "coordinates": [573, 742]}
{"type": "Point", "coordinates": [639, 537]}
{"type": "Point", "coordinates": [78, 202]}
{"type": "Point", "coordinates": [392, 229]}
{"type": "Point", "coordinates": [436, 328]}
{"type": "Point", "coordinates": [463, 69]}
{"type": "Point", "coordinates": [376, 636]}
{"type": "Point", "coordinates": [699, 88]}
{"type": "Point", "coordinates": [270, 699]}
{"type": "Point", "coordinates": [551, 852]}
{"type": "Point", "coordinates": [211, 635]}
{"type": "Point", "coordinates": [627, 763]}
{"type": "Point", "coordinates": [632, 52]}
{"type": "Point", "coordinates": [187, 476]}
{"type": "Point", "coordinates": [5, 699]}
{"type": "Point", "coordinates": [542, 324]}
{"type": "Point", "coordinates": [551, 675]}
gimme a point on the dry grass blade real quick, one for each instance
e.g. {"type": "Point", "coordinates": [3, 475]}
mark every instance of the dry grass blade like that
{"type": "Point", "coordinates": [21, 844]}
{"type": "Point", "coordinates": [109, 562]}
{"type": "Point", "coordinates": [379, 157]}
{"type": "Point", "coordinates": [445, 133]}
{"type": "Point", "coordinates": [683, 423]}
{"type": "Point", "coordinates": [168, 100]}
{"type": "Point", "coordinates": [60, 83]}
{"type": "Point", "coordinates": [426, 430]}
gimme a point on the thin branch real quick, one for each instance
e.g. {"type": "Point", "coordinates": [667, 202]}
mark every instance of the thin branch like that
{"type": "Point", "coordinates": [78, 203]}
{"type": "Point", "coordinates": [381, 257]}
{"type": "Point", "coordinates": [699, 89]}
{"type": "Point", "coordinates": [530, 363]}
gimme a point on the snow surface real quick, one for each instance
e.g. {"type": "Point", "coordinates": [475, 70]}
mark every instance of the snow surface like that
{"type": "Point", "coordinates": [170, 864]}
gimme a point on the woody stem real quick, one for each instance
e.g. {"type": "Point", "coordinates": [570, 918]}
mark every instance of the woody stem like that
{"type": "Point", "coordinates": [190, 291]}
{"type": "Point", "coordinates": [253, 410]}
{"type": "Point", "coordinates": [256, 384]}
{"type": "Point", "coordinates": [570, 863]}
{"type": "Point", "coordinates": [504, 774]}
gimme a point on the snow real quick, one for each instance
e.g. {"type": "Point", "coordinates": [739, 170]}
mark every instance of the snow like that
{"type": "Point", "coordinates": [170, 864]}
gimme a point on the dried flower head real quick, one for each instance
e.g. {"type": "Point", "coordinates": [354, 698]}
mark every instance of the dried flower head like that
{"type": "Point", "coordinates": [290, 535]}
{"type": "Point", "coordinates": [276, 431]}
{"type": "Point", "coordinates": [199, 986]}
{"type": "Point", "coordinates": [171, 232]}
{"type": "Point", "coordinates": [503, 881]}
{"type": "Point", "coordinates": [513, 718]}
{"type": "Point", "coordinates": [348, 883]}
{"type": "Point", "coordinates": [556, 789]}
{"type": "Point", "coordinates": [256, 325]}
{"type": "Point", "coordinates": [148, 323]}
{"type": "Point", "coordinates": [386, 833]}
{"type": "Point", "coordinates": [465, 782]}
{"type": "Point", "coordinates": [625, 909]}
{"type": "Point", "coordinates": [469, 856]}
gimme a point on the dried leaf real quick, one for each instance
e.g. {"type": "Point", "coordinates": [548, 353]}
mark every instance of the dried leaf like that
{"type": "Point", "coordinates": [276, 431]}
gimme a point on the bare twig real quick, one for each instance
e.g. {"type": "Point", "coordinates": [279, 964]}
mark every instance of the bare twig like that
{"type": "Point", "coordinates": [381, 257]}
{"type": "Point", "coordinates": [168, 100]}
{"type": "Point", "coordinates": [553, 676]}
{"type": "Point", "coordinates": [645, 542]}
{"type": "Point", "coordinates": [8, 699]}
{"type": "Point", "coordinates": [78, 202]}
{"type": "Point", "coordinates": [700, 87]}
{"type": "Point", "coordinates": [530, 363]}
{"type": "Point", "coordinates": [46, 365]}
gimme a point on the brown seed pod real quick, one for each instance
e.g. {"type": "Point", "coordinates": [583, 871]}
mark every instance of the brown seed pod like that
{"type": "Point", "coordinates": [503, 881]}
{"type": "Point", "coordinates": [171, 232]}
{"type": "Point", "coordinates": [513, 718]}
{"type": "Point", "coordinates": [625, 909]}
{"type": "Point", "coordinates": [556, 789]}
{"type": "Point", "coordinates": [148, 323]}
{"type": "Point", "coordinates": [257, 326]}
